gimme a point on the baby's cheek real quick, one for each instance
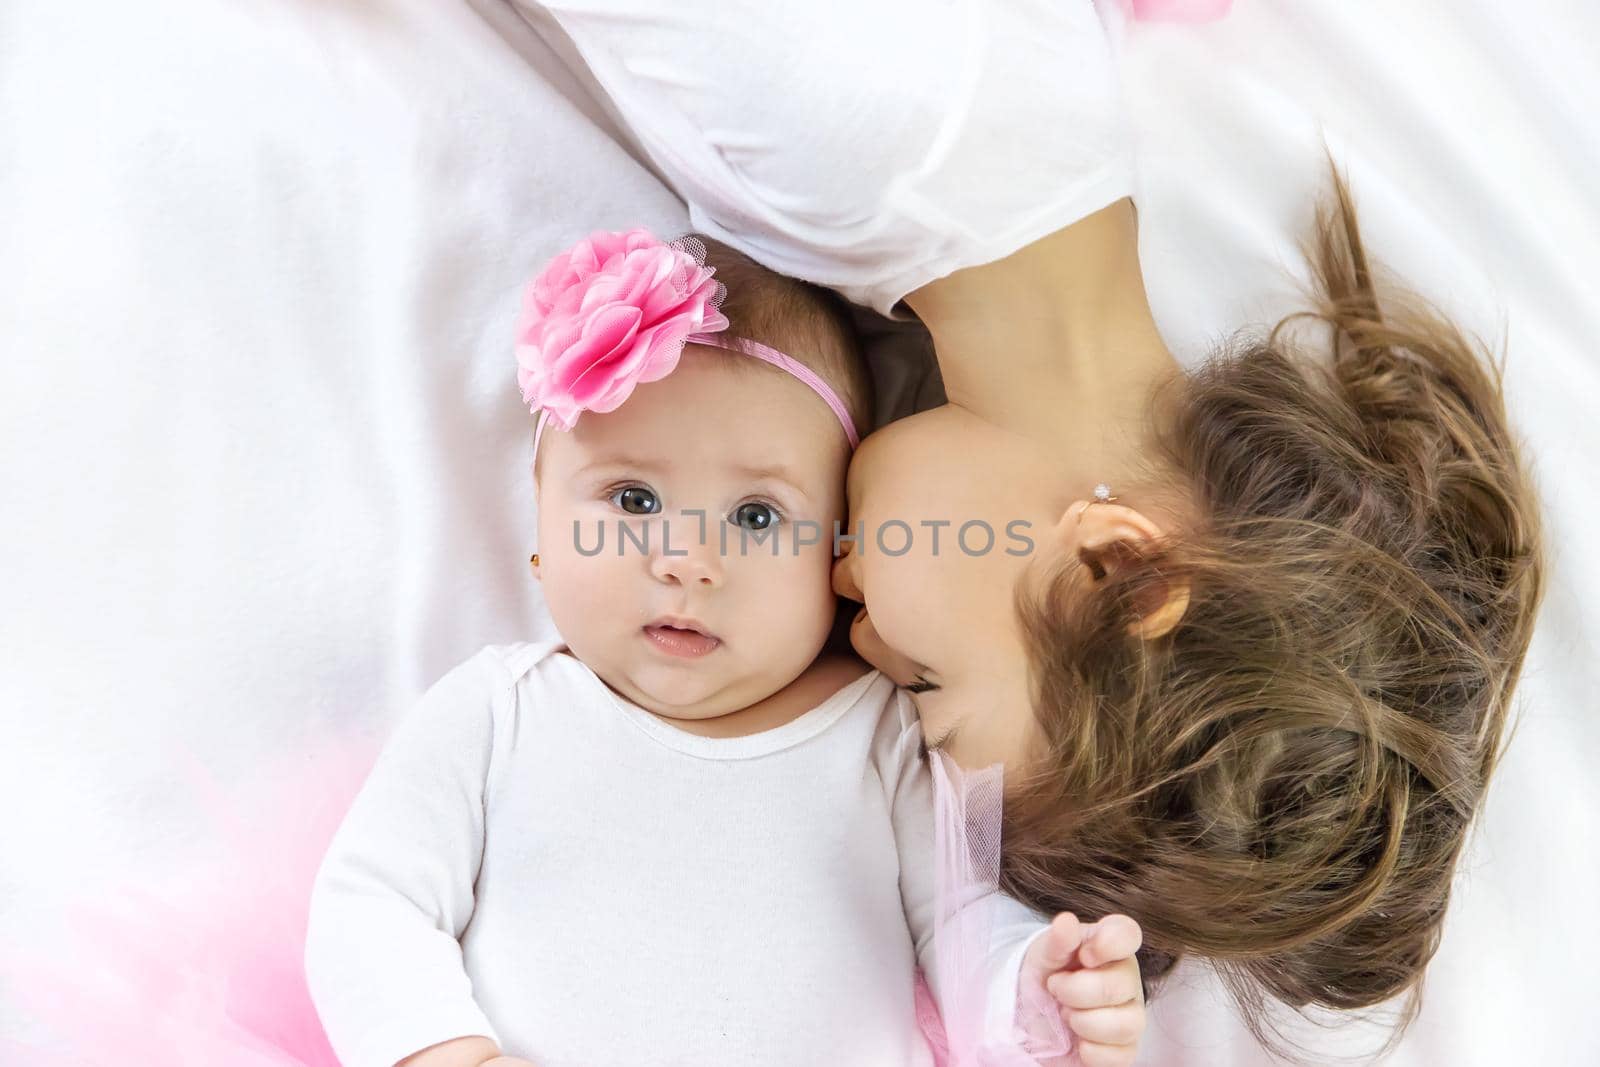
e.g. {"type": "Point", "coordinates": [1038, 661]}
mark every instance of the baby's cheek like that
{"type": "Point", "coordinates": [824, 610]}
{"type": "Point", "coordinates": [564, 587]}
{"type": "Point", "coordinates": [587, 592]}
{"type": "Point", "coordinates": [794, 595]}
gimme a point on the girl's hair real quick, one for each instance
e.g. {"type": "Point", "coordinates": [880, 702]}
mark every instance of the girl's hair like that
{"type": "Point", "coordinates": [1283, 783]}
{"type": "Point", "coordinates": [805, 322]}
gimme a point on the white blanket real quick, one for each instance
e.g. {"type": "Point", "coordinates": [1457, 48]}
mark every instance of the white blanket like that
{"type": "Point", "coordinates": [263, 464]}
{"type": "Point", "coordinates": [263, 470]}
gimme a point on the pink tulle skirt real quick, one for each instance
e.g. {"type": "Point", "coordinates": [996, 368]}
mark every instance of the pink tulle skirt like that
{"type": "Point", "coordinates": [201, 965]}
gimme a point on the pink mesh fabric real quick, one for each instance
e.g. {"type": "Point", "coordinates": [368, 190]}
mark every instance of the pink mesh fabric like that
{"type": "Point", "coordinates": [967, 807]}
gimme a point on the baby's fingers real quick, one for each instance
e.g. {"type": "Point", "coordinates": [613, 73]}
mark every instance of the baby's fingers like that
{"type": "Point", "coordinates": [1091, 1054]}
{"type": "Point", "coordinates": [1116, 937]}
{"type": "Point", "coordinates": [1121, 1025]}
{"type": "Point", "coordinates": [1104, 987]}
{"type": "Point", "coordinates": [1054, 949]}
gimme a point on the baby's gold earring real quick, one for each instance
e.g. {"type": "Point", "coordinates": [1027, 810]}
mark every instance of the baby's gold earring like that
{"type": "Point", "coordinates": [533, 564]}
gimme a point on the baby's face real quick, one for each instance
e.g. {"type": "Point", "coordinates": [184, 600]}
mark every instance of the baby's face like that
{"type": "Point", "coordinates": [764, 460]}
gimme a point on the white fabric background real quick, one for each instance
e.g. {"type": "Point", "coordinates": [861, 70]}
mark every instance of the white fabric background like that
{"type": "Point", "coordinates": [263, 471]}
{"type": "Point", "coordinates": [263, 464]}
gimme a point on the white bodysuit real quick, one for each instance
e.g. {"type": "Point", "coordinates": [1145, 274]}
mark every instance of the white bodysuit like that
{"type": "Point", "coordinates": [869, 147]}
{"type": "Point", "coordinates": [536, 860]}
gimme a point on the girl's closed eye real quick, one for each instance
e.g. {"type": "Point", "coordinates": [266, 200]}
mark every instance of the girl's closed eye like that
{"type": "Point", "coordinates": [635, 499]}
{"type": "Point", "coordinates": [926, 746]}
{"type": "Point", "coordinates": [919, 684]}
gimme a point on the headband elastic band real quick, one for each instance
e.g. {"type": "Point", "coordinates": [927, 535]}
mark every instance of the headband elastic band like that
{"type": "Point", "coordinates": [766, 354]}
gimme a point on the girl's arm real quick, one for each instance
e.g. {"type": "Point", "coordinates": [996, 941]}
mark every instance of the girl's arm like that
{"type": "Point", "coordinates": [1005, 981]}
{"type": "Point", "coordinates": [971, 955]}
{"type": "Point", "coordinates": [395, 890]}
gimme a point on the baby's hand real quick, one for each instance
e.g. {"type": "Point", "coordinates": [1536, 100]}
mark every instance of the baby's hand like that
{"type": "Point", "coordinates": [1091, 973]}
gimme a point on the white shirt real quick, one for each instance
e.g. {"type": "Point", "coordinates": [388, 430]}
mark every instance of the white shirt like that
{"type": "Point", "coordinates": [869, 147]}
{"type": "Point", "coordinates": [536, 860]}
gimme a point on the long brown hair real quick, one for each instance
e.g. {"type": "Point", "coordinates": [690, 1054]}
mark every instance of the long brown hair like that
{"type": "Point", "coordinates": [1283, 784]}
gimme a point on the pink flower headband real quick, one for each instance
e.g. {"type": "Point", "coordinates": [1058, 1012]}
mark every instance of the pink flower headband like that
{"type": "Point", "coordinates": [615, 310]}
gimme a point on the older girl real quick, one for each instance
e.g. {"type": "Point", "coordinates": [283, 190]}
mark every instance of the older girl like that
{"type": "Point", "coordinates": [1253, 681]}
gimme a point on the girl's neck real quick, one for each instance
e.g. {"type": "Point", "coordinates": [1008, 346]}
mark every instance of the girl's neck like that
{"type": "Point", "coordinates": [1055, 338]}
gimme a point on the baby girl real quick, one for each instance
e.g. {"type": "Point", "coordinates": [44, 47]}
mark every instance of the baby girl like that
{"type": "Point", "coordinates": [683, 834]}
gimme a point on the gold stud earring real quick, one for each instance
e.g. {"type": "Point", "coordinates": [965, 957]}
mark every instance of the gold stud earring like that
{"type": "Point", "coordinates": [533, 561]}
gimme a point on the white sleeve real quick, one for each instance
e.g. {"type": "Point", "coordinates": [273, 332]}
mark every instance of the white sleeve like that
{"type": "Point", "coordinates": [1011, 925]}
{"type": "Point", "coordinates": [395, 890]}
{"type": "Point", "coordinates": [873, 147]}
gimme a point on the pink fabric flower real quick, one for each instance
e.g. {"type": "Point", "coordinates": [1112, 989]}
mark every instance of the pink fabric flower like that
{"type": "Point", "coordinates": [609, 313]}
{"type": "Point", "coordinates": [1179, 10]}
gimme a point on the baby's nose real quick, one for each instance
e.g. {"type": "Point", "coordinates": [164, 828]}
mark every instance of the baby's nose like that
{"type": "Point", "coordinates": [686, 570]}
{"type": "Point", "coordinates": [684, 558]}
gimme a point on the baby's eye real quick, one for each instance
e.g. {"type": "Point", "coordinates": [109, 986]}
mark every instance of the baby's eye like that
{"type": "Point", "coordinates": [755, 516]}
{"type": "Point", "coordinates": [636, 500]}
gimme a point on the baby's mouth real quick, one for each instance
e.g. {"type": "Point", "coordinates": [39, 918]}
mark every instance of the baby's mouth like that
{"type": "Point", "coordinates": [681, 638]}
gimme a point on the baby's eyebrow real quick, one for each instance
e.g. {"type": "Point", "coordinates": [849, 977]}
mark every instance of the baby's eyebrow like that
{"type": "Point", "coordinates": [617, 459]}
{"type": "Point", "coordinates": [776, 472]}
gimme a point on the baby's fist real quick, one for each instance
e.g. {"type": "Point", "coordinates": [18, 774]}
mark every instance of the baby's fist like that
{"type": "Point", "coordinates": [1092, 975]}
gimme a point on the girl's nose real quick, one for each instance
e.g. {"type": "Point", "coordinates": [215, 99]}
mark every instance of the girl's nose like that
{"type": "Point", "coordinates": [846, 576]}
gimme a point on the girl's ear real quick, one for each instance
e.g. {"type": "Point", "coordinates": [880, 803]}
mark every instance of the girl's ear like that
{"type": "Point", "coordinates": [1107, 537]}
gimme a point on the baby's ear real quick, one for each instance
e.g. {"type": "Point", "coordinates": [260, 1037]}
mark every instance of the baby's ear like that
{"type": "Point", "coordinates": [1106, 538]}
